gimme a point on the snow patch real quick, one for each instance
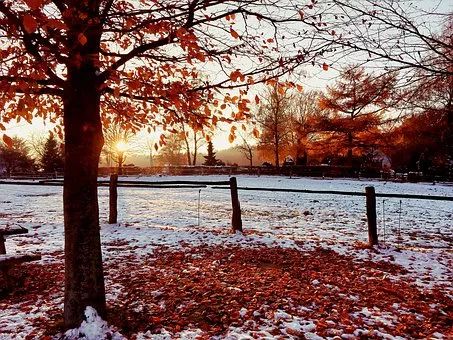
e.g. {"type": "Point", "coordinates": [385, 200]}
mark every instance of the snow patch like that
{"type": "Point", "coordinates": [92, 328]}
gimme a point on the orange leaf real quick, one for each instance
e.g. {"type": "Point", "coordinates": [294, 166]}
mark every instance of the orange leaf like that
{"type": "Point", "coordinates": [256, 133]}
{"type": "Point", "coordinates": [234, 33]}
{"type": "Point", "coordinates": [235, 75]}
{"type": "Point", "coordinates": [325, 67]}
{"type": "Point", "coordinates": [34, 4]}
{"type": "Point", "coordinates": [2, 127]}
{"type": "Point", "coordinates": [257, 99]}
{"type": "Point", "coordinates": [82, 39]}
{"type": "Point", "coordinates": [30, 24]}
{"type": "Point", "coordinates": [231, 138]}
{"type": "Point", "coordinates": [271, 82]}
{"type": "Point", "coordinates": [299, 88]}
{"type": "Point", "coordinates": [8, 141]}
{"type": "Point", "coordinates": [54, 23]}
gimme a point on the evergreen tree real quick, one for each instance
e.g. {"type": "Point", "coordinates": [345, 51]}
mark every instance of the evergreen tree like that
{"type": "Point", "coordinates": [210, 159]}
{"type": "Point", "coordinates": [15, 158]}
{"type": "Point", "coordinates": [52, 158]}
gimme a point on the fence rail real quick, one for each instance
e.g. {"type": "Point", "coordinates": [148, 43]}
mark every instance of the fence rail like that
{"type": "Point", "coordinates": [231, 185]}
{"type": "Point", "coordinates": [138, 184]}
{"type": "Point", "coordinates": [345, 193]}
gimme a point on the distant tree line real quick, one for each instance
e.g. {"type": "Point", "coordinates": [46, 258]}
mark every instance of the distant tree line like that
{"type": "Point", "coordinates": [363, 120]}
{"type": "Point", "coordinates": [31, 156]}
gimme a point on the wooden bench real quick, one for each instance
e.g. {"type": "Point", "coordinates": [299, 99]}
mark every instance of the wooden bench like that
{"type": "Point", "coordinates": [8, 261]}
{"type": "Point", "coordinates": [11, 260]}
{"type": "Point", "coordinates": [8, 231]}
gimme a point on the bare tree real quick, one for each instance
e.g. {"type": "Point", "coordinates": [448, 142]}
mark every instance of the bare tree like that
{"type": "Point", "coordinates": [36, 144]}
{"type": "Point", "coordinates": [171, 153]}
{"type": "Point", "coordinates": [392, 34]}
{"type": "Point", "coordinates": [273, 117]}
{"type": "Point", "coordinates": [305, 111]}
{"type": "Point", "coordinates": [117, 144]}
{"type": "Point", "coordinates": [248, 145]}
{"type": "Point", "coordinates": [193, 139]}
{"type": "Point", "coordinates": [150, 147]}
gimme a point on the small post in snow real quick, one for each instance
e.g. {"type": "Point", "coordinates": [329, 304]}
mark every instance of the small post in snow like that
{"type": "Point", "coordinates": [2, 245]}
{"type": "Point", "coordinates": [199, 198]}
{"type": "Point", "coordinates": [371, 215]}
{"type": "Point", "coordinates": [113, 199]}
{"type": "Point", "coordinates": [236, 220]}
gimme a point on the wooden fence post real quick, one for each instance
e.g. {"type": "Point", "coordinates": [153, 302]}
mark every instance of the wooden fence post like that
{"type": "Point", "coordinates": [371, 215]}
{"type": "Point", "coordinates": [2, 245]}
{"type": "Point", "coordinates": [113, 199]}
{"type": "Point", "coordinates": [236, 220]}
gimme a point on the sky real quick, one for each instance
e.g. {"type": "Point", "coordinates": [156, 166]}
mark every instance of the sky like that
{"type": "Point", "coordinates": [314, 79]}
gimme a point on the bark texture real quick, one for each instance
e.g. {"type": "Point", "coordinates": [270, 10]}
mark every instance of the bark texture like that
{"type": "Point", "coordinates": [84, 278]}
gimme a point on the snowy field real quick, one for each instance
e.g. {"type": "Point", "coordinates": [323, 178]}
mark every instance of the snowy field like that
{"type": "Point", "coordinates": [415, 234]}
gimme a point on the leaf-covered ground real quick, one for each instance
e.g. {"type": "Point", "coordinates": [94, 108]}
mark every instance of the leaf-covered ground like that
{"type": "Point", "coordinates": [299, 270]}
{"type": "Point", "coordinates": [232, 291]}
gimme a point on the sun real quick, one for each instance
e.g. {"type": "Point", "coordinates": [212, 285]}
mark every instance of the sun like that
{"type": "Point", "coordinates": [121, 146]}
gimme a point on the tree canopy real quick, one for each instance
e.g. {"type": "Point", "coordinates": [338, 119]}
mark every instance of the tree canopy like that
{"type": "Point", "coordinates": [147, 54]}
{"type": "Point", "coordinates": [356, 104]}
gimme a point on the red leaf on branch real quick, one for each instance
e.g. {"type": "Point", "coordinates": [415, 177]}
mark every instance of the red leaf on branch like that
{"type": "Point", "coordinates": [8, 141]}
{"type": "Point", "coordinates": [237, 75]}
{"type": "Point", "coordinates": [82, 39]}
{"type": "Point", "coordinates": [234, 33]}
{"type": "Point", "coordinates": [34, 4]}
{"type": "Point", "coordinates": [256, 133]}
{"type": "Point", "coordinates": [30, 24]}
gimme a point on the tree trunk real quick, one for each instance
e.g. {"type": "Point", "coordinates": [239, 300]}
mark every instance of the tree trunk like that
{"type": "Point", "coordinates": [276, 151]}
{"type": "Point", "coordinates": [189, 161]}
{"type": "Point", "coordinates": [449, 132]}
{"type": "Point", "coordinates": [195, 149]}
{"type": "Point", "coordinates": [84, 278]}
{"type": "Point", "coordinates": [349, 156]}
{"type": "Point", "coordinates": [120, 164]}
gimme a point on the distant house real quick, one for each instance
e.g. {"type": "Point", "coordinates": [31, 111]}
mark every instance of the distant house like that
{"type": "Point", "coordinates": [289, 161]}
{"type": "Point", "coordinates": [384, 160]}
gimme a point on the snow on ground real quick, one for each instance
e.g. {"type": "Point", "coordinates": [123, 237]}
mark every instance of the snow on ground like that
{"type": "Point", "coordinates": [418, 234]}
{"type": "Point", "coordinates": [92, 328]}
